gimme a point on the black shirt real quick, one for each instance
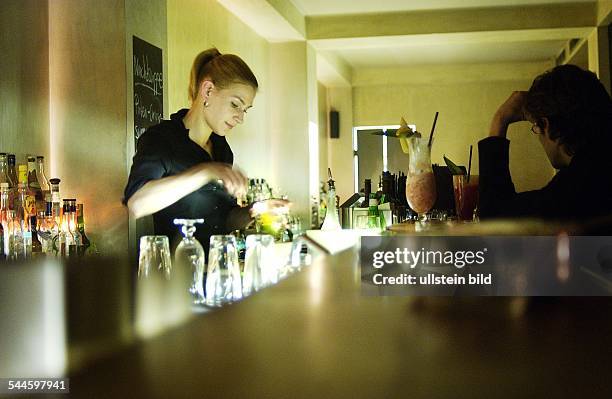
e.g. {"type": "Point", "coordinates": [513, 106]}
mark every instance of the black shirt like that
{"type": "Point", "coordinates": [581, 191]}
{"type": "Point", "coordinates": [166, 150]}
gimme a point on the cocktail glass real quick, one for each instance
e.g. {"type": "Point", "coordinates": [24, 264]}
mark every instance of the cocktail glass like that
{"type": "Point", "coordinates": [466, 196]}
{"type": "Point", "coordinates": [420, 183]}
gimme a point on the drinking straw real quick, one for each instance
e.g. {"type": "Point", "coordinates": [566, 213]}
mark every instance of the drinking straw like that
{"type": "Point", "coordinates": [433, 127]}
{"type": "Point", "coordinates": [469, 164]}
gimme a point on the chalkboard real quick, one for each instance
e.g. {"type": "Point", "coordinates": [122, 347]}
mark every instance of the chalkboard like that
{"type": "Point", "coordinates": [148, 86]}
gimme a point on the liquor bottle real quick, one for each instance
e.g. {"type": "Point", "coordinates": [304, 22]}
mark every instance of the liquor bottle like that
{"type": "Point", "coordinates": [13, 239]}
{"type": "Point", "coordinates": [76, 247]}
{"type": "Point", "coordinates": [42, 178]}
{"type": "Point", "coordinates": [367, 189]}
{"type": "Point", "coordinates": [81, 226]}
{"type": "Point", "coordinates": [48, 230]}
{"type": "Point", "coordinates": [56, 200]}
{"type": "Point", "coordinates": [35, 186]}
{"type": "Point", "coordinates": [331, 221]}
{"type": "Point", "coordinates": [4, 175]}
{"type": "Point", "coordinates": [4, 219]}
{"type": "Point", "coordinates": [36, 244]}
{"type": "Point", "coordinates": [12, 172]}
{"type": "Point", "coordinates": [64, 237]}
{"type": "Point", "coordinates": [25, 203]}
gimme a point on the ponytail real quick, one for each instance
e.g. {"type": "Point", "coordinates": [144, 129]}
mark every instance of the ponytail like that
{"type": "Point", "coordinates": [222, 69]}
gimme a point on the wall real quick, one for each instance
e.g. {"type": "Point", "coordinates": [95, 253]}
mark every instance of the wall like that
{"type": "Point", "coordinates": [466, 108]}
{"type": "Point", "coordinates": [340, 150]}
{"type": "Point", "coordinates": [323, 112]}
{"type": "Point", "coordinates": [88, 113]}
{"type": "Point", "coordinates": [195, 25]}
{"type": "Point", "coordinates": [24, 78]}
{"type": "Point", "coordinates": [289, 123]}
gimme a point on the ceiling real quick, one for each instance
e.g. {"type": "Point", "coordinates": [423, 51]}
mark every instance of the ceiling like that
{"type": "Point", "coordinates": [350, 35]}
{"type": "Point", "coordinates": [463, 53]}
{"type": "Point", "coordinates": [336, 7]}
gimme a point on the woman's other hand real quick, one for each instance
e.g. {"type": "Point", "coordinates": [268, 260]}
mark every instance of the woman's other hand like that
{"type": "Point", "coordinates": [509, 112]}
{"type": "Point", "coordinates": [276, 206]}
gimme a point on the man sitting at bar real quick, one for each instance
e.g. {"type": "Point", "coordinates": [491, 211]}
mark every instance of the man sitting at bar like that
{"type": "Point", "coordinates": [571, 113]}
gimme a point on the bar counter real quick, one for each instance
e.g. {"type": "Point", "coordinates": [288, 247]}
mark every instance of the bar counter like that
{"type": "Point", "coordinates": [314, 335]}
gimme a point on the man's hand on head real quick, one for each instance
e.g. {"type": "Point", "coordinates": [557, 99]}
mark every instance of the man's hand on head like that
{"type": "Point", "coordinates": [509, 112]}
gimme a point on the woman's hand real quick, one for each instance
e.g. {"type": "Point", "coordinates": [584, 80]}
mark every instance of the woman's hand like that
{"type": "Point", "coordinates": [234, 181]}
{"type": "Point", "coordinates": [509, 112]}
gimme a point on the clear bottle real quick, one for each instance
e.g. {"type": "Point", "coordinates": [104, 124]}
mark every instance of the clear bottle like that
{"type": "Point", "coordinates": [25, 203]}
{"type": "Point", "coordinates": [77, 247]}
{"type": "Point", "coordinates": [4, 175]}
{"type": "Point", "coordinates": [12, 171]}
{"type": "Point", "coordinates": [48, 229]}
{"type": "Point", "coordinates": [34, 185]}
{"type": "Point", "coordinates": [36, 245]}
{"type": "Point", "coordinates": [81, 226]}
{"type": "Point", "coordinates": [14, 236]}
{"type": "Point", "coordinates": [4, 219]}
{"type": "Point", "coordinates": [56, 200]}
{"type": "Point", "coordinates": [331, 221]}
{"type": "Point", "coordinates": [64, 238]}
{"type": "Point", "coordinates": [42, 178]}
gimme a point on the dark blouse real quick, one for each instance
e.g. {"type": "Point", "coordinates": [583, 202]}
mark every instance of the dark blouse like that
{"type": "Point", "coordinates": [166, 150]}
{"type": "Point", "coordinates": [582, 191]}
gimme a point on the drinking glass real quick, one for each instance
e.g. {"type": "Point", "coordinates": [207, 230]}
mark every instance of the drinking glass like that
{"type": "Point", "coordinates": [154, 256]}
{"type": "Point", "coordinates": [161, 299]}
{"type": "Point", "coordinates": [223, 283]}
{"type": "Point", "coordinates": [420, 184]}
{"type": "Point", "coordinates": [466, 196]}
{"type": "Point", "coordinates": [259, 267]}
{"type": "Point", "coordinates": [189, 255]}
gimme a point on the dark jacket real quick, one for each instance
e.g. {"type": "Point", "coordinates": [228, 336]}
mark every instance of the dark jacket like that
{"type": "Point", "coordinates": [581, 191]}
{"type": "Point", "coordinates": [166, 150]}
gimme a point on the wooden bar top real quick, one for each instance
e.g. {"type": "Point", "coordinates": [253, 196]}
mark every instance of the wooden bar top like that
{"type": "Point", "coordinates": [314, 335]}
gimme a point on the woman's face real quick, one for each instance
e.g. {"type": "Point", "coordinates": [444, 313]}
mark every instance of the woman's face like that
{"type": "Point", "coordinates": [227, 107]}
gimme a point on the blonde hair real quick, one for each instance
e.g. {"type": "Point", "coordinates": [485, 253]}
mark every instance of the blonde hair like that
{"type": "Point", "coordinates": [222, 69]}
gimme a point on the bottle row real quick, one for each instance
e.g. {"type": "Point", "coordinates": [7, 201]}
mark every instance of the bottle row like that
{"type": "Point", "coordinates": [33, 219]}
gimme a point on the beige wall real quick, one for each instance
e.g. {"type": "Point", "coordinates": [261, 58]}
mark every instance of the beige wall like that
{"type": "Point", "coordinates": [323, 112]}
{"type": "Point", "coordinates": [288, 119]}
{"type": "Point", "coordinates": [340, 150]}
{"type": "Point", "coordinates": [195, 25]}
{"type": "Point", "coordinates": [88, 113]}
{"type": "Point", "coordinates": [465, 112]}
{"type": "Point", "coordinates": [24, 78]}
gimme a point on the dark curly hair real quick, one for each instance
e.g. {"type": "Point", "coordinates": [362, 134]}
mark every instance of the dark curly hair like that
{"type": "Point", "coordinates": [576, 104]}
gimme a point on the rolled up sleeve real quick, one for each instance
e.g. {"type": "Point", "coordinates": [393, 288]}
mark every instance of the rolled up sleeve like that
{"type": "Point", "coordinates": [149, 163]}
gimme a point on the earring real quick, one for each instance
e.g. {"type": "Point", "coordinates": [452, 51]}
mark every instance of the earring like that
{"type": "Point", "coordinates": [205, 104]}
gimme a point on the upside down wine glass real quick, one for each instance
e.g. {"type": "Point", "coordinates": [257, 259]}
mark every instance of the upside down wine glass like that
{"type": "Point", "coordinates": [420, 184]}
{"type": "Point", "coordinates": [189, 255]}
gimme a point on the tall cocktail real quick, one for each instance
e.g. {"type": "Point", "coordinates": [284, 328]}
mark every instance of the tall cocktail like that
{"type": "Point", "coordinates": [420, 183]}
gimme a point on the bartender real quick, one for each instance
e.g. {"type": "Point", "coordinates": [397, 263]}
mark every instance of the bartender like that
{"type": "Point", "coordinates": [183, 166]}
